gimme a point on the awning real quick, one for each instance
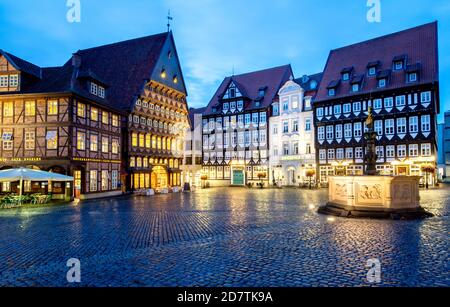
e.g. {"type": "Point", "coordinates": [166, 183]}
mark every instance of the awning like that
{"type": "Point", "coordinates": [26, 174]}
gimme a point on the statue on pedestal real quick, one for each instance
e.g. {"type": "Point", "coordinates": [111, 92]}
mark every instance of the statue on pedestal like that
{"type": "Point", "coordinates": [370, 158]}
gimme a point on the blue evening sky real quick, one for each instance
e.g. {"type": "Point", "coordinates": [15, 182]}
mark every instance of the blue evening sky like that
{"type": "Point", "coordinates": [213, 36]}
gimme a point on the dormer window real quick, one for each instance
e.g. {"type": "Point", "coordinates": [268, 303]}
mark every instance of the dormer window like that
{"type": "Point", "coordinates": [413, 72]}
{"type": "Point", "coordinates": [345, 77]}
{"type": "Point", "coordinates": [346, 73]}
{"type": "Point", "coordinates": [398, 65]}
{"type": "Point", "coordinates": [357, 83]}
{"type": "Point", "coordinates": [372, 71]}
{"type": "Point", "coordinates": [412, 77]}
{"type": "Point", "coordinates": [101, 92]}
{"type": "Point", "coordinates": [332, 87]}
{"type": "Point", "coordinates": [399, 62]}
{"type": "Point", "coordinates": [355, 87]}
{"type": "Point", "coordinates": [382, 83]}
{"type": "Point", "coordinates": [94, 89]}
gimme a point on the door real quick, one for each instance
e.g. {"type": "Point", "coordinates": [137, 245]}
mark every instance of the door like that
{"type": "Point", "coordinates": [77, 178]}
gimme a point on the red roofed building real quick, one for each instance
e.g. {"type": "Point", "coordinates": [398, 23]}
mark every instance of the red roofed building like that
{"type": "Point", "coordinates": [235, 127]}
{"type": "Point", "coordinates": [111, 114]}
{"type": "Point", "coordinates": [397, 75]}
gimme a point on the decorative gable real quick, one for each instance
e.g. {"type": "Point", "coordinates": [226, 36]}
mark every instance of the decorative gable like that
{"type": "Point", "coordinates": [167, 70]}
{"type": "Point", "coordinates": [232, 91]}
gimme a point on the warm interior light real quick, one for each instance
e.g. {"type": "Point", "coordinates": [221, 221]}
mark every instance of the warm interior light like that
{"type": "Point", "coordinates": [175, 79]}
{"type": "Point", "coordinates": [163, 74]}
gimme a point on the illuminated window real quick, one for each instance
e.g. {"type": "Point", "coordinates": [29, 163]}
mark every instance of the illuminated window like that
{"type": "Point", "coordinates": [94, 114]}
{"type": "Point", "coordinates": [30, 140]}
{"type": "Point", "coordinates": [105, 177]}
{"type": "Point", "coordinates": [105, 144]}
{"type": "Point", "coordinates": [8, 109]}
{"type": "Point", "coordinates": [105, 118]}
{"type": "Point", "coordinates": [115, 147]}
{"type": "Point", "coordinates": [94, 142]}
{"type": "Point", "coordinates": [30, 108]}
{"type": "Point", "coordinates": [142, 140]}
{"type": "Point", "coordinates": [115, 121]}
{"type": "Point", "coordinates": [134, 139]}
{"type": "Point", "coordinates": [132, 162]}
{"type": "Point", "coordinates": [148, 141]}
{"type": "Point", "coordinates": [81, 110]}
{"type": "Point", "coordinates": [93, 181]}
{"type": "Point", "coordinates": [7, 141]}
{"type": "Point", "coordinates": [426, 150]}
{"type": "Point", "coordinates": [52, 140]}
{"type": "Point", "coordinates": [52, 107]}
{"type": "Point", "coordinates": [81, 141]}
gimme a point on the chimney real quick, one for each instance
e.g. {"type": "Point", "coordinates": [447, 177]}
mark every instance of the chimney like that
{"type": "Point", "coordinates": [76, 60]}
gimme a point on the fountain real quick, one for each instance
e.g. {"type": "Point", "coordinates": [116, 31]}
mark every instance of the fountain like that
{"type": "Point", "coordinates": [371, 195]}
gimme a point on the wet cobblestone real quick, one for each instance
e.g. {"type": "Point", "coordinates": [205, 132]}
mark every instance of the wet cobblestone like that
{"type": "Point", "coordinates": [221, 237]}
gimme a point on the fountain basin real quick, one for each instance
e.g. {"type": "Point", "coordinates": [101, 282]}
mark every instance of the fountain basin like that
{"type": "Point", "coordinates": [375, 197]}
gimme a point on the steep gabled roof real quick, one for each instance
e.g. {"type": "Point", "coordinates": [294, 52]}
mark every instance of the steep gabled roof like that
{"type": "Point", "coordinates": [417, 45]}
{"type": "Point", "coordinates": [306, 83]}
{"type": "Point", "coordinates": [124, 66]}
{"type": "Point", "coordinates": [250, 83]}
{"type": "Point", "coordinates": [22, 65]}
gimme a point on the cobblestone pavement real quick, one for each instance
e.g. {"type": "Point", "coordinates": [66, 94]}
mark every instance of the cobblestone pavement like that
{"type": "Point", "coordinates": [221, 237]}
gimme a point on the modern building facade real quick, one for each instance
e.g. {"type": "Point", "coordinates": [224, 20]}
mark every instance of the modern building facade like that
{"type": "Point", "coordinates": [51, 119]}
{"type": "Point", "coordinates": [193, 162]}
{"type": "Point", "coordinates": [291, 133]}
{"type": "Point", "coordinates": [236, 128]}
{"type": "Point", "coordinates": [395, 75]}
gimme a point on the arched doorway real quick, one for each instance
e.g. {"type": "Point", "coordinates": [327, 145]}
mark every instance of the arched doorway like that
{"type": "Point", "coordinates": [159, 178]}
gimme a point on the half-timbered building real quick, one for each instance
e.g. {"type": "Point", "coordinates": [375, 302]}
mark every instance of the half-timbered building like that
{"type": "Point", "coordinates": [236, 129]}
{"type": "Point", "coordinates": [113, 116]}
{"type": "Point", "coordinates": [52, 120]}
{"type": "Point", "coordinates": [395, 75]}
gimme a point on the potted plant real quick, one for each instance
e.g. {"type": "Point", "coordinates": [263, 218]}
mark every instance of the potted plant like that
{"type": "Point", "coordinates": [428, 169]}
{"type": "Point", "coordinates": [261, 177]}
{"type": "Point", "coordinates": [310, 174]}
{"type": "Point", "coordinates": [204, 178]}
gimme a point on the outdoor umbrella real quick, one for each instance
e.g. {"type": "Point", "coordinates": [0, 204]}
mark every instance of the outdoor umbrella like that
{"type": "Point", "coordinates": [21, 174]}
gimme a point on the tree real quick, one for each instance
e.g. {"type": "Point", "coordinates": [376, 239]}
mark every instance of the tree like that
{"type": "Point", "coordinates": [204, 178]}
{"type": "Point", "coordinates": [428, 169]}
{"type": "Point", "coordinates": [310, 174]}
{"type": "Point", "coordinates": [262, 176]}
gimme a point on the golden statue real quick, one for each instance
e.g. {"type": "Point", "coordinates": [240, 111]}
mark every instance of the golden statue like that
{"type": "Point", "coordinates": [369, 120]}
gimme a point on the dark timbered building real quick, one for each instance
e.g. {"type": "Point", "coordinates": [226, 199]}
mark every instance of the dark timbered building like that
{"type": "Point", "coordinates": [236, 127]}
{"type": "Point", "coordinates": [395, 75]}
{"type": "Point", "coordinates": [52, 119]}
{"type": "Point", "coordinates": [113, 116]}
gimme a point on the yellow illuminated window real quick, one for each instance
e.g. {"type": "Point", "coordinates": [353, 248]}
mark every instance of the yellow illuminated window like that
{"type": "Point", "coordinates": [115, 147]}
{"type": "Point", "coordinates": [115, 121]}
{"type": "Point", "coordinates": [94, 114]}
{"type": "Point", "coordinates": [142, 140]}
{"type": "Point", "coordinates": [134, 139]}
{"type": "Point", "coordinates": [94, 142]}
{"type": "Point", "coordinates": [81, 110]}
{"type": "Point", "coordinates": [159, 143]}
{"type": "Point", "coordinates": [81, 141]}
{"type": "Point", "coordinates": [148, 141]}
{"type": "Point", "coordinates": [154, 142]}
{"type": "Point", "coordinates": [30, 108]}
{"type": "Point", "coordinates": [105, 118]}
{"type": "Point", "coordinates": [8, 109]}
{"type": "Point", "coordinates": [52, 107]}
{"type": "Point", "coordinates": [105, 144]}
